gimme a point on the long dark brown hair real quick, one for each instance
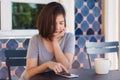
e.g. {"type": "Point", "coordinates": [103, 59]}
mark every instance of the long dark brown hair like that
{"type": "Point", "coordinates": [46, 22]}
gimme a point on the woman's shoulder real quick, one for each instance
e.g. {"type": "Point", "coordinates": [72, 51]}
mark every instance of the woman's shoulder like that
{"type": "Point", "coordinates": [35, 37]}
{"type": "Point", "coordinates": [68, 34]}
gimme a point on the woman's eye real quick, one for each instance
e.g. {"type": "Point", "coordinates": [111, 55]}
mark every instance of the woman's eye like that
{"type": "Point", "coordinates": [61, 23]}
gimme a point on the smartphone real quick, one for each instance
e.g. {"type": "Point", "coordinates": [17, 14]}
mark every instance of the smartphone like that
{"type": "Point", "coordinates": [67, 75]}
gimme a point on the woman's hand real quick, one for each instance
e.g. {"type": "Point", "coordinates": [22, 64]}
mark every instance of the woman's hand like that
{"type": "Point", "coordinates": [56, 67]}
{"type": "Point", "coordinates": [58, 34]}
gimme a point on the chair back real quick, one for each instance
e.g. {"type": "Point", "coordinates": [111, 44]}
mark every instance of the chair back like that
{"type": "Point", "coordinates": [101, 48]}
{"type": "Point", "coordinates": [15, 58]}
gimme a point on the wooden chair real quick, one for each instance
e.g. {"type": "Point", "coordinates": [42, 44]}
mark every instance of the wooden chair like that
{"type": "Point", "coordinates": [101, 48]}
{"type": "Point", "coordinates": [15, 58]}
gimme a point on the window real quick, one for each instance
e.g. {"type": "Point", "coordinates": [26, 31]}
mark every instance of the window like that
{"type": "Point", "coordinates": [17, 17]}
{"type": "Point", "coordinates": [24, 15]}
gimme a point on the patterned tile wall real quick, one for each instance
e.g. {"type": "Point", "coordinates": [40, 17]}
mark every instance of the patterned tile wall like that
{"type": "Point", "coordinates": [88, 17]}
{"type": "Point", "coordinates": [11, 44]}
{"type": "Point", "coordinates": [88, 24]}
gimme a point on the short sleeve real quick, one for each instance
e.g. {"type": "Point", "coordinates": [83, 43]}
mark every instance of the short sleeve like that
{"type": "Point", "coordinates": [32, 51]}
{"type": "Point", "coordinates": [69, 46]}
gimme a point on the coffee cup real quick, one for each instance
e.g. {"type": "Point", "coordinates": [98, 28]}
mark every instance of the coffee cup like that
{"type": "Point", "coordinates": [102, 65]}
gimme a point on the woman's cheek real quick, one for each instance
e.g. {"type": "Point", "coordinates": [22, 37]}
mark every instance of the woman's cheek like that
{"type": "Point", "coordinates": [63, 28]}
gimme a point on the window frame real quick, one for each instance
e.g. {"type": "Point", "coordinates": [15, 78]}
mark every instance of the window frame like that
{"type": "Point", "coordinates": [6, 19]}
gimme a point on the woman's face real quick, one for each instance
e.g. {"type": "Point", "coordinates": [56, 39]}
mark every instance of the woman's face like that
{"type": "Point", "coordinates": [60, 23]}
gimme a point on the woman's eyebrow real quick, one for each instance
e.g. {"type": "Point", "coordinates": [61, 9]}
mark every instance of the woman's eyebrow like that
{"type": "Point", "coordinates": [62, 21]}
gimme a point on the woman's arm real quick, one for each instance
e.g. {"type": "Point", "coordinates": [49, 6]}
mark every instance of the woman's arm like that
{"type": "Point", "coordinates": [32, 68]}
{"type": "Point", "coordinates": [64, 58]}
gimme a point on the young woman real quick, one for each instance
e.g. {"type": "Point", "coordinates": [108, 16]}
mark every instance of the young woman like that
{"type": "Point", "coordinates": [52, 48]}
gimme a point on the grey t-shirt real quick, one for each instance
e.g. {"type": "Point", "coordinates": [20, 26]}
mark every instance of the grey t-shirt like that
{"type": "Point", "coordinates": [37, 49]}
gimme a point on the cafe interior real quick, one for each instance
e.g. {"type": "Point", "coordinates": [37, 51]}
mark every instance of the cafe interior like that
{"type": "Point", "coordinates": [89, 20]}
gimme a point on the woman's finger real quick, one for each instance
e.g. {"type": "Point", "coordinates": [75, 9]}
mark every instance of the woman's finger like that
{"type": "Point", "coordinates": [62, 33]}
{"type": "Point", "coordinates": [64, 69]}
{"type": "Point", "coordinates": [55, 70]}
{"type": "Point", "coordinates": [60, 68]}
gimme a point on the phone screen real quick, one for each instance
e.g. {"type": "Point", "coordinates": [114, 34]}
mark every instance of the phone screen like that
{"type": "Point", "coordinates": [67, 75]}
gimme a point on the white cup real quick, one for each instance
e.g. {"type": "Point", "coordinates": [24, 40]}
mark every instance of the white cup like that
{"type": "Point", "coordinates": [102, 65]}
